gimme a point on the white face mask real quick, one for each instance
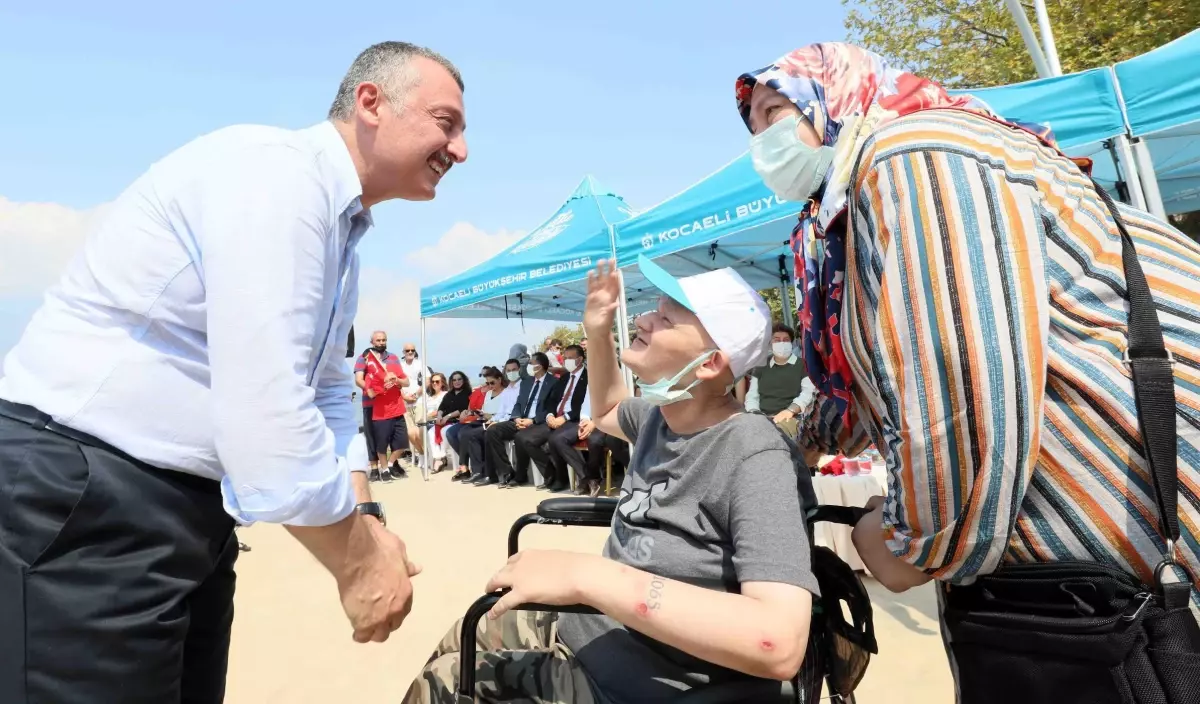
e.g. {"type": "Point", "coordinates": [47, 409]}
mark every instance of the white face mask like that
{"type": "Point", "coordinates": [789, 167]}
{"type": "Point", "coordinates": [570, 365]}
{"type": "Point", "coordinates": [532, 369]}
{"type": "Point", "coordinates": [662, 393]}
{"type": "Point", "coordinates": [513, 376]}
{"type": "Point", "coordinates": [781, 349]}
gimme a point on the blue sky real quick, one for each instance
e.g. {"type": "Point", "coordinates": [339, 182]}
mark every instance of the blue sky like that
{"type": "Point", "coordinates": [638, 95]}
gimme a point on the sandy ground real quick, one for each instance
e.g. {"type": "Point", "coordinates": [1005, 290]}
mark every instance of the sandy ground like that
{"type": "Point", "coordinates": [291, 641]}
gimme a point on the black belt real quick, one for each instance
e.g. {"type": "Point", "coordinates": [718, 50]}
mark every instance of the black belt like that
{"type": "Point", "coordinates": [42, 421]}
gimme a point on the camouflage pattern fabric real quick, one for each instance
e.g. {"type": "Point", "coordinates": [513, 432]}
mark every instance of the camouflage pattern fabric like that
{"type": "Point", "coordinates": [519, 660]}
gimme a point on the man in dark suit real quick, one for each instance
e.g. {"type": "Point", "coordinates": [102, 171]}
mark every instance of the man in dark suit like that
{"type": "Point", "coordinates": [534, 391]}
{"type": "Point", "coordinates": [551, 442]}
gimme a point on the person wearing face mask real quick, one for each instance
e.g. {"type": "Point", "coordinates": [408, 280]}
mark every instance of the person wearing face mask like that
{"type": "Point", "coordinates": [520, 352]}
{"type": "Point", "coordinates": [552, 446]}
{"type": "Point", "coordinates": [379, 340]}
{"type": "Point", "coordinates": [966, 290]}
{"type": "Point", "coordinates": [526, 414]}
{"type": "Point", "coordinates": [781, 390]}
{"type": "Point", "coordinates": [707, 559]}
{"type": "Point", "coordinates": [503, 391]}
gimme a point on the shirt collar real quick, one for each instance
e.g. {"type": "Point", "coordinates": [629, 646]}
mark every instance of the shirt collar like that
{"type": "Point", "coordinates": [347, 188]}
{"type": "Point", "coordinates": [791, 360]}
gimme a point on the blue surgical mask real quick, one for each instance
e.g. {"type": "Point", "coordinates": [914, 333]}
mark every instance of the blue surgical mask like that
{"type": "Point", "coordinates": [790, 168]}
{"type": "Point", "coordinates": [662, 393]}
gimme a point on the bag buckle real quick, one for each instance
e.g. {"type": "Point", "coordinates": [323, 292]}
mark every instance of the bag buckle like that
{"type": "Point", "coordinates": [1127, 360]}
{"type": "Point", "coordinates": [1145, 598]}
{"type": "Point", "coordinates": [1169, 560]}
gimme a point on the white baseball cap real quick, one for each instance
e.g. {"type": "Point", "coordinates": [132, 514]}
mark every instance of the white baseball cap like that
{"type": "Point", "coordinates": [732, 312]}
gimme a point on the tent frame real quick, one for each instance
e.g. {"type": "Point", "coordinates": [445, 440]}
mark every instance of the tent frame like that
{"type": "Point", "coordinates": [1132, 153]}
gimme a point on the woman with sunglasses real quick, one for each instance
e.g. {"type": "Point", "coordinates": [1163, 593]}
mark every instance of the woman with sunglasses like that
{"type": "Point", "coordinates": [468, 440]}
{"type": "Point", "coordinates": [454, 404]}
{"type": "Point", "coordinates": [435, 392]}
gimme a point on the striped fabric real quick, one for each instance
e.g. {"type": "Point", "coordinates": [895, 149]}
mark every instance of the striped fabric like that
{"type": "Point", "coordinates": [985, 324]}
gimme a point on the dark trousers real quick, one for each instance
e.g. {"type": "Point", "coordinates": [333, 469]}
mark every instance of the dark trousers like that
{"type": "Point", "coordinates": [598, 442]}
{"type": "Point", "coordinates": [116, 578]}
{"type": "Point", "coordinates": [368, 425]}
{"type": "Point", "coordinates": [390, 432]}
{"type": "Point", "coordinates": [531, 445]}
{"type": "Point", "coordinates": [470, 440]}
{"type": "Point", "coordinates": [497, 455]}
{"type": "Point", "coordinates": [564, 454]}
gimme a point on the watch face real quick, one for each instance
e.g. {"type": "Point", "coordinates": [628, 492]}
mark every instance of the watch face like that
{"type": "Point", "coordinates": [373, 508]}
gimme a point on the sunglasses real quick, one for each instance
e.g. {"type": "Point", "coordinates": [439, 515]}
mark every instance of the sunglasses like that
{"type": "Point", "coordinates": [439, 382]}
{"type": "Point", "coordinates": [410, 351]}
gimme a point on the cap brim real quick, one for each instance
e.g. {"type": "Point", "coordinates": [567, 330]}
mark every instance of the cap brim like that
{"type": "Point", "coordinates": [664, 282]}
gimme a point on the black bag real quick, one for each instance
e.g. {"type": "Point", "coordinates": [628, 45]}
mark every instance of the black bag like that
{"type": "Point", "coordinates": [1085, 632]}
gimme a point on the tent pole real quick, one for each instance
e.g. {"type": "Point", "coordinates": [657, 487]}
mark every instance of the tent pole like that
{"type": "Point", "coordinates": [622, 312]}
{"type": "Point", "coordinates": [1039, 7]}
{"type": "Point", "coordinates": [789, 315]}
{"type": "Point", "coordinates": [424, 405]}
{"type": "Point", "coordinates": [1031, 42]}
{"type": "Point", "coordinates": [1145, 169]}
{"type": "Point", "coordinates": [1132, 178]}
{"type": "Point", "coordinates": [623, 336]}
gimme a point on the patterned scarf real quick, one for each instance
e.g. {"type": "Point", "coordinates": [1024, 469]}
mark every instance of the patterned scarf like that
{"type": "Point", "coordinates": [847, 93]}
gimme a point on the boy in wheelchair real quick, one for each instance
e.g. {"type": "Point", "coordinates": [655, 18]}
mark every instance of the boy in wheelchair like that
{"type": "Point", "coordinates": [705, 577]}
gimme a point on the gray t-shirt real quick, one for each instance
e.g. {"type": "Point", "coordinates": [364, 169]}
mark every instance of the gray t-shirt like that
{"type": "Point", "coordinates": [715, 509]}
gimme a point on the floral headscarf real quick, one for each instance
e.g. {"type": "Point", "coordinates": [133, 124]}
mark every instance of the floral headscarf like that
{"type": "Point", "coordinates": [847, 93]}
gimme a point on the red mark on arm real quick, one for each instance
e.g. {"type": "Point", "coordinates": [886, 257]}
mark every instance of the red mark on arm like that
{"type": "Point", "coordinates": [642, 609]}
{"type": "Point", "coordinates": [766, 645]}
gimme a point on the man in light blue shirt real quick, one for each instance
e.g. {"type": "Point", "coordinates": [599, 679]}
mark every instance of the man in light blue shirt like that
{"type": "Point", "coordinates": [188, 371]}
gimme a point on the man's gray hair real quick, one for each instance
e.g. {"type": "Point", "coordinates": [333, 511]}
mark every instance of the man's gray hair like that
{"type": "Point", "coordinates": [388, 65]}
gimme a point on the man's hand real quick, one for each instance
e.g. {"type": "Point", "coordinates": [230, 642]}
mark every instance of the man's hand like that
{"type": "Point", "coordinates": [523, 423]}
{"type": "Point", "coordinates": [555, 422]}
{"type": "Point", "coordinates": [374, 586]}
{"type": "Point", "coordinates": [543, 576]}
{"type": "Point", "coordinates": [603, 297]}
{"type": "Point", "coordinates": [371, 392]}
{"type": "Point", "coordinates": [784, 416]}
{"type": "Point", "coordinates": [586, 426]}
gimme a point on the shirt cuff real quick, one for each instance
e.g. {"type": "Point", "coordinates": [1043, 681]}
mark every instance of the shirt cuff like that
{"type": "Point", "coordinates": [314, 504]}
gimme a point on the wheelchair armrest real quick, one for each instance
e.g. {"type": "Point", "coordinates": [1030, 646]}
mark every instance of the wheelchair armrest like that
{"type": "Point", "coordinates": [579, 511]}
{"type": "Point", "coordinates": [470, 628]}
{"type": "Point", "coordinates": [845, 515]}
{"type": "Point", "coordinates": [574, 511]}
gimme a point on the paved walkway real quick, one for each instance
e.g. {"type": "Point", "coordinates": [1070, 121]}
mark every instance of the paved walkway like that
{"type": "Point", "coordinates": [291, 641]}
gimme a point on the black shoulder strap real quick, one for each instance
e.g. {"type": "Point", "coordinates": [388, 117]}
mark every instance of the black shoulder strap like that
{"type": "Point", "coordinates": [1153, 384]}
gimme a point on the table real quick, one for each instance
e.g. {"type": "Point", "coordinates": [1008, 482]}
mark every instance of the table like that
{"type": "Point", "coordinates": [845, 490]}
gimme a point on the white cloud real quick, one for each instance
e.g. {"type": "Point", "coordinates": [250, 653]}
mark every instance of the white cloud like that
{"type": "Point", "coordinates": [458, 249]}
{"type": "Point", "coordinates": [36, 242]}
{"type": "Point", "coordinates": [38, 239]}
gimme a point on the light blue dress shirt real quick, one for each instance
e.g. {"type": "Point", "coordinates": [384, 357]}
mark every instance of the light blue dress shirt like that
{"type": "Point", "coordinates": [202, 328]}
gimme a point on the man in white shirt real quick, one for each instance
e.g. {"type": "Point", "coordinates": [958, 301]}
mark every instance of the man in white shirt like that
{"type": "Point", "coordinates": [207, 320]}
{"type": "Point", "coordinates": [781, 390]}
{"type": "Point", "coordinates": [410, 361]}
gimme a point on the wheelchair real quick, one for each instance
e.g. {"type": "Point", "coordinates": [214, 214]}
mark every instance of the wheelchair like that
{"type": "Point", "coordinates": [830, 645]}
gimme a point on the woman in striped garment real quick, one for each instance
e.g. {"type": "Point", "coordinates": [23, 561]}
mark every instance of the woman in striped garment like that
{"type": "Point", "coordinates": [963, 309]}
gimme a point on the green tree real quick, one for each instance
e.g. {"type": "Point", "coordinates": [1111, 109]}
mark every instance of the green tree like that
{"type": "Point", "coordinates": [566, 334]}
{"type": "Point", "coordinates": [975, 43]}
{"type": "Point", "coordinates": [774, 302]}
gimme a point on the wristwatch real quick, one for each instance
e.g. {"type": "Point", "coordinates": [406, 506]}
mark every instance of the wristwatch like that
{"type": "Point", "coordinates": [372, 508]}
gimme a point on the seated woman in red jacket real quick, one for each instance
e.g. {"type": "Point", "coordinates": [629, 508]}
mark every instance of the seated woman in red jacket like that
{"type": "Point", "coordinates": [387, 418]}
